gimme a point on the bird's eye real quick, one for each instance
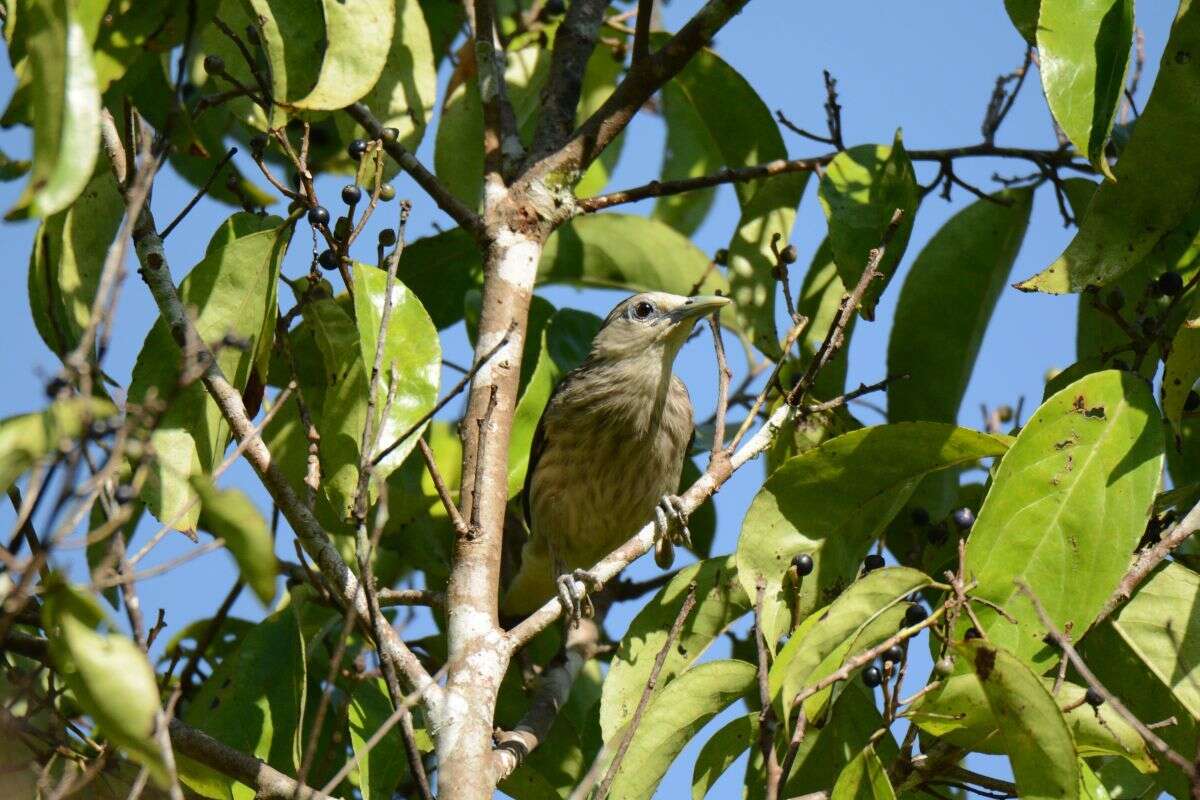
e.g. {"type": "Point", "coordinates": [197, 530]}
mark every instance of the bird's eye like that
{"type": "Point", "coordinates": [643, 310]}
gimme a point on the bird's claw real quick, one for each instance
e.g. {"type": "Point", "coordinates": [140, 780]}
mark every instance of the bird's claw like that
{"type": "Point", "coordinates": [577, 605]}
{"type": "Point", "coordinates": [672, 519]}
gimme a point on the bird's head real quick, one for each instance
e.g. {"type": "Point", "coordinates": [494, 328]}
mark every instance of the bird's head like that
{"type": "Point", "coordinates": [652, 325]}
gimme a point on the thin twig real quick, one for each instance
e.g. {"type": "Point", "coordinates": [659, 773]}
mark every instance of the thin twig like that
{"type": "Point", "coordinates": [202, 191]}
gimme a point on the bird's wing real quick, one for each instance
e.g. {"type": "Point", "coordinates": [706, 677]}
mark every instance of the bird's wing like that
{"type": "Point", "coordinates": [538, 447]}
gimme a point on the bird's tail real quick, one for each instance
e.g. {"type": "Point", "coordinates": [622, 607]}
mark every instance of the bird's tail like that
{"type": "Point", "coordinates": [532, 586]}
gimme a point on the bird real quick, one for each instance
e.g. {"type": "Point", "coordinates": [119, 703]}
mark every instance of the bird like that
{"type": "Point", "coordinates": [608, 452]}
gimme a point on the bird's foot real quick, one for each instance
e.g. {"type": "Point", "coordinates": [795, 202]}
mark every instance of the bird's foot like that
{"type": "Point", "coordinates": [670, 522]}
{"type": "Point", "coordinates": [577, 605]}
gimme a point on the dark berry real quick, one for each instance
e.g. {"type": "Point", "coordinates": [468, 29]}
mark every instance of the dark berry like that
{"type": "Point", "coordinates": [1093, 698]}
{"type": "Point", "coordinates": [972, 633]}
{"type": "Point", "coordinates": [258, 142]}
{"type": "Point", "coordinates": [1120, 364]}
{"type": "Point", "coordinates": [251, 34]}
{"type": "Point", "coordinates": [318, 215]}
{"type": "Point", "coordinates": [1192, 402]}
{"type": "Point", "coordinates": [341, 229]}
{"type": "Point", "coordinates": [963, 518]}
{"type": "Point", "coordinates": [554, 7]}
{"type": "Point", "coordinates": [872, 562]}
{"type": "Point", "coordinates": [327, 260]}
{"type": "Point", "coordinates": [1004, 413]}
{"type": "Point", "coordinates": [872, 677]}
{"type": "Point", "coordinates": [788, 255]}
{"type": "Point", "coordinates": [1115, 299]}
{"type": "Point", "coordinates": [214, 64]}
{"type": "Point", "coordinates": [390, 134]}
{"type": "Point", "coordinates": [55, 387]}
{"type": "Point", "coordinates": [721, 257]}
{"type": "Point", "coordinates": [1169, 284]}
{"type": "Point", "coordinates": [124, 493]}
{"type": "Point", "coordinates": [387, 237]}
{"type": "Point", "coordinates": [1149, 326]}
{"type": "Point", "coordinates": [351, 194]}
{"type": "Point", "coordinates": [915, 615]}
{"type": "Point", "coordinates": [387, 192]}
{"type": "Point", "coordinates": [803, 564]}
{"type": "Point", "coordinates": [894, 654]}
{"type": "Point", "coordinates": [357, 148]}
{"type": "Point", "coordinates": [919, 516]}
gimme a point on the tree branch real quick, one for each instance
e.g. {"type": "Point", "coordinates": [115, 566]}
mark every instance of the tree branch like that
{"type": "Point", "coordinates": [573, 46]}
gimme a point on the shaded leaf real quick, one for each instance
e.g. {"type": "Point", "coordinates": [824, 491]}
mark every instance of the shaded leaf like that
{"type": "Point", "coordinates": [688, 152]}
{"type": "Point", "coordinates": [230, 515]}
{"type": "Point", "coordinates": [947, 302]}
{"type": "Point", "coordinates": [957, 712]}
{"type": "Point", "coordinates": [834, 500]}
{"type": "Point", "coordinates": [66, 108]}
{"type": "Point", "coordinates": [1024, 16]}
{"type": "Point", "coordinates": [254, 702]}
{"type": "Point", "coordinates": [68, 256]}
{"type": "Point", "coordinates": [232, 291]}
{"type": "Point", "coordinates": [440, 270]}
{"type": "Point", "coordinates": [1072, 497]}
{"type": "Point", "coordinates": [381, 769]}
{"type": "Point", "coordinates": [1083, 49]}
{"type": "Point", "coordinates": [1151, 194]}
{"type": "Point", "coordinates": [820, 300]}
{"type": "Point", "coordinates": [294, 36]}
{"type": "Point", "coordinates": [719, 601]}
{"type": "Point", "coordinates": [721, 750]}
{"type": "Point", "coordinates": [674, 717]}
{"type": "Point", "coordinates": [28, 438]}
{"type": "Point", "coordinates": [864, 778]}
{"type": "Point", "coordinates": [860, 191]}
{"type": "Point", "coordinates": [107, 673]}
{"type": "Point", "coordinates": [1032, 728]}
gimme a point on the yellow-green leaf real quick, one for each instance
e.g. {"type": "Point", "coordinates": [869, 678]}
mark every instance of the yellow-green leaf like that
{"type": "Point", "coordinates": [231, 515]}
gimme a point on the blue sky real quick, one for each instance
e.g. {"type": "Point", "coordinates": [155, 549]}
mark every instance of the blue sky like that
{"type": "Point", "coordinates": [926, 67]}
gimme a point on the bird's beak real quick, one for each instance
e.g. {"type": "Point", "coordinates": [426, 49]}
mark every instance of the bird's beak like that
{"type": "Point", "coordinates": [698, 306]}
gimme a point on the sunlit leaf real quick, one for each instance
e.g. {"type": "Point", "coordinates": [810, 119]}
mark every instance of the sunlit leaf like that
{"type": "Point", "coordinates": [1083, 49]}
{"type": "Point", "coordinates": [864, 778]}
{"type": "Point", "coordinates": [689, 152]}
{"type": "Point", "coordinates": [358, 37]}
{"type": "Point", "coordinates": [721, 751]}
{"type": "Point", "coordinates": [66, 108]}
{"type": "Point", "coordinates": [719, 601]}
{"type": "Point", "coordinates": [231, 515]}
{"type": "Point", "coordinates": [833, 501]}
{"type": "Point", "coordinates": [1151, 194]}
{"type": "Point", "coordinates": [861, 189]}
{"type": "Point", "coordinates": [26, 439]}
{"type": "Point", "coordinates": [1071, 498]}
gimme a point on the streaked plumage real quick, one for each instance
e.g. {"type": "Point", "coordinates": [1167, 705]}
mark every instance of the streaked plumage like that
{"type": "Point", "coordinates": [610, 444]}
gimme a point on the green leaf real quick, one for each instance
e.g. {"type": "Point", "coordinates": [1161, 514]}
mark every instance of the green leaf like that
{"type": "Point", "coordinates": [820, 300]}
{"type": "Point", "coordinates": [550, 774]}
{"type": "Point", "coordinates": [860, 191]}
{"type": "Point", "coordinates": [1151, 194]}
{"type": "Point", "coordinates": [232, 291]}
{"type": "Point", "coordinates": [28, 438]}
{"type": "Point", "coordinates": [1125, 674]}
{"type": "Point", "coordinates": [107, 673]}
{"type": "Point", "coordinates": [957, 712]}
{"type": "Point", "coordinates": [132, 30]}
{"type": "Point", "coordinates": [1032, 728]}
{"type": "Point", "coordinates": [440, 270]}
{"type": "Point", "coordinates": [381, 769]}
{"type": "Point", "coordinates": [674, 717]}
{"type": "Point", "coordinates": [721, 750]}
{"type": "Point", "coordinates": [1090, 784]}
{"type": "Point", "coordinates": [231, 515]}
{"type": "Point", "coordinates": [864, 778]}
{"type": "Point", "coordinates": [819, 646]}
{"type": "Point", "coordinates": [1083, 49]}
{"type": "Point", "coordinates": [1072, 497]}
{"type": "Point", "coordinates": [294, 36]}
{"type": "Point", "coordinates": [946, 304]}
{"type": "Point", "coordinates": [600, 78]}
{"type": "Point", "coordinates": [565, 341]}
{"type": "Point", "coordinates": [406, 92]}
{"type": "Point", "coordinates": [1024, 16]}
{"type": "Point", "coordinates": [626, 252]}
{"type": "Point", "coordinates": [11, 168]}
{"type": "Point", "coordinates": [1180, 372]}
{"type": "Point", "coordinates": [358, 37]}
{"type": "Point", "coordinates": [253, 702]}
{"type": "Point", "coordinates": [68, 256]}
{"type": "Point", "coordinates": [1122, 782]}
{"type": "Point", "coordinates": [748, 137]}
{"type": "Point", "coordinates": [834, 500]}
{"type": "Point", "coordinates": [719, 602]}
{"type": "Point", "coordinates": [66, 108]}
{"type": "Point", "coordinates": [688, 152]}
{"type": "Point", "coordinates": [458, 150]}
{"type": "Point", "coordinates": [412, 350]}
{"type": "Point", "coordinates": [1160, 625]}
